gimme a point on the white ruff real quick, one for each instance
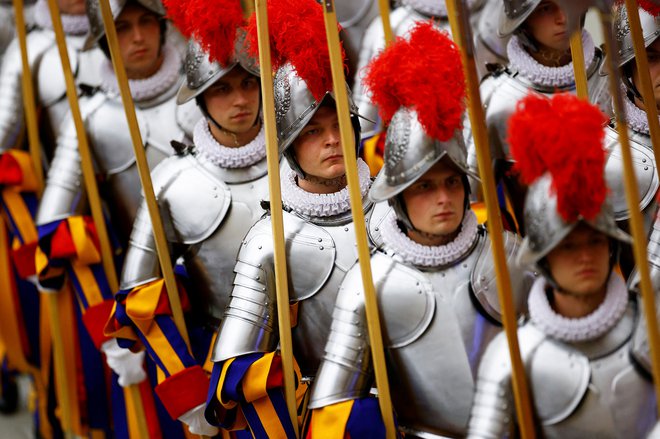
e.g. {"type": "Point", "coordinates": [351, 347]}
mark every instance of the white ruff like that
{"type": "Point", "coordinates": [72, 24]}
{"type": "Point", "coordinates": [637, 119]}
{"type": "Point", "coordinates": [585, 328]}
{"type": "Point", "coordinates": [429, 256]}
{"type": "Point", "coordinates": [147, 88]}
{"type": "Point", "coordinates": [520, 60]}
{"type": "Point", "coordinates": [225, 156]}
{"type": "Point", "coordinates": [321, 205]}
{"type": "Point", "coordinates": [433, 8]}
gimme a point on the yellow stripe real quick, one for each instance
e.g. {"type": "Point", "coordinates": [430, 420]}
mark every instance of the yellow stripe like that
{"type": "Point", "coordinates": [21, 215]}
{"type": "Point", "coordinates": [87, 281]}
{"type": "Point", "coordinates": [269, 418]}
{"type": "Point", "coordinates": [256, 377]}
{"type": "Point", "coordinates": [163, 349]}
{"type": "Point", "coordinates": [221, 383]}
{"type": "Point", "coordinates": [131, 411]}
{"type": "Point", "coordinates": [330, 421]}
{"type": "Point", "coordinates": [208, 364]}
{"type": "Point", "coordinates": [141, 302]}
{"type": "Point", "coordinates": [29, 182]}
{"type": "Point", "coordinates": [85, 249]}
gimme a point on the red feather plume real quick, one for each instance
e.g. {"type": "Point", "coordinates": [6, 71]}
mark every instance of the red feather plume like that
{"type": "Point", "coordinates": [297, 36]}
{"type": "Point", "coordinates": [212, 23]}
{"type": "Point", "coordinates": [424, 73]}
{"type": "Point", "coordinates": [176, 11]}
{"type": "Point", "coordinates": [650, 6]}
{"type": "Point", "coordinates": [563, 136]}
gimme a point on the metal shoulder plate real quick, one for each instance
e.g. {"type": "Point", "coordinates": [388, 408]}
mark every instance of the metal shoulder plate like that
{"type": "Point", "coordinates": [558, 374]}
{"type": "Point", "coordinates": [64, 180]}
{"type": "Point", "coordinates": [645, 171]}
{"type": "Point", "coordinates": [483, 280]}
{"type": "Point", "coordinates": [375, 218]}
{"type": "Point", "coordinates": [250, 322]}
{"type": "Point", "coordinates": [345, 372]}
{"type": "Point", "coordinates": [194, 201]}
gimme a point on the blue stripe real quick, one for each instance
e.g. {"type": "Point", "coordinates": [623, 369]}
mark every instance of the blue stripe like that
{"type": "Point", "coordinates": [279, 402]}
{"type": "Point", "coordinates": [177, 342]}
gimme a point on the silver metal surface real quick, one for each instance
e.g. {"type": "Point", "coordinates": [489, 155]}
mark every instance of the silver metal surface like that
{"type": "Point", "coordinates": [426, 314]}
{"type": "Point", "coordinates": [206, 219]}
{"type": "Point", "coordinates": [650, 32]}
{"type": "Point", "coordinates": [515, 14]}
{"type": "Point", "coordinates": [93, 11]}
{"type": "Point", "coordinates": [546, 228]}
{"type": "Point", "coordinates": [319, 254]}
{"type": "Point", "coordinates": [501, 93]}
{"type": "Point", "coordinates": [410, 153]}
{"type": "Point", "coordinates": [588, 389]}
{"type": "Point", "coordinates": [201, 72]}
{"type": "Point", "coordinates": [645, 172]}
{"type": "Point", "coordinates": [160, 122]}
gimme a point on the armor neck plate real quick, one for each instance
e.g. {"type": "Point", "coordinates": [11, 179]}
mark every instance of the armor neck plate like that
{"type": "Point", "coordinates": [235, 175]}
{"type": "Point", "coordinates": [613, 339]}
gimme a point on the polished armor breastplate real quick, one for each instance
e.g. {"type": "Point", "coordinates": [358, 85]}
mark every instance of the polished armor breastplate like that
{"type": "Point", "coordinates": [645, 171]}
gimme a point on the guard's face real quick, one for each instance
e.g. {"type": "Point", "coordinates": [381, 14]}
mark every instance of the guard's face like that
{"type": "Point", "coordinates": [233, 101]}
{"type": "Point", "coordinates": [547, 24]}
{"type": "Point", "coordinates": [580, 264]}
{"type": "Point", "coordinates": [435, 204]}
{"type": "Point", "coordinates": [138, 30]}
{"type": "Point", "coordinates": [318, 147]}
{"type": "Point", "coordinates": [71, 7]}
{"type": "Point", "coordinates": [653, 54]}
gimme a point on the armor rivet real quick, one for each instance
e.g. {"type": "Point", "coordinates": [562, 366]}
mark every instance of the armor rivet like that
{"type": "Point", "coordinates": [464, 265]}
{"type": "Point", "coordinates": [483, 278]}
{"type": "Point", "coordinates": [259, 247]}
{"type": "Point", "coordinates": [215, 196]}
{"type": "Point", "coordinates": [320, 247]}
{"type": "Point", "coordinates": [258, 278]}
{"type": "Point", "coordinates": [377, 229]}
{"type": "Point", "coordinates": [486, 288]}
{"type": "Point", "coordinates": [345, 229]}
{"type": "Point", "coordinates": [259, 265]}
{"type": "Point", "coordinates": [643, 160]}
{"type": "Point", "coordinates": [320, 239]}
{"type": "Point", "coordinates": [443, 275]}
{"type": "Point", "coordinates": [646, 168]}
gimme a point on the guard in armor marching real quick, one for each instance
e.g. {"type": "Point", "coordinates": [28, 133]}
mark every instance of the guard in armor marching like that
{"type": "Point", "coordinates": [434, 273]}
{"type": "Point", "coordinates": [585, 347]}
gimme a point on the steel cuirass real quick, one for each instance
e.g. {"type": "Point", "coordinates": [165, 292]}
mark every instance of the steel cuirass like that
{"type": "Point", "coordinates": [502, 90]}
{"type": "Point", "coordinates": [436, 323]}
{"type": "Point", "coordinates": [160, 121]}
{"type": "Point", "coordinates": [581, 389]}
{"type": "Point", "coordinates": [645, 171]}
{"type": "Point", "coordinates": [206, 210]}
{"type": "Point", "coordinates": [319, 253]}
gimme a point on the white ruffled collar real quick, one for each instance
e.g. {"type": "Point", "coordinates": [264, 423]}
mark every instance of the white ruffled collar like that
{"type": "Point", "coordinates": [432, 8]}
{"type": "Point", "coordinates": [411, 252]}
{"type": "Point", "coordinates": [225, 156]}
{"type": "Point", "coordinates": [522, 62]}
{"type": "Point", "coordinates": [636, 117]}
{"type": "Point", "coordinates": [590, 327]}
{"type": "Point", "coordinates": [147, 88]}
{"type": "Point", "coordinates": [321, 205]}
{"type": "Point", "coordinates": [72, 24]}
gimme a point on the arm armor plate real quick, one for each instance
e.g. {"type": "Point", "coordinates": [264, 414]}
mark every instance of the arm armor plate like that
{"type": "Point", "coordinates": [11, 97]}
{"type": "Point", "coordinates": [192, 204]}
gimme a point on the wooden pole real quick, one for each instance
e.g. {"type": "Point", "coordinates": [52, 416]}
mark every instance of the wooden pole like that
{"type": "Point", "coordinates": [28, 97]}
{"type": "Point", "coordinates": [364, 255]}
{"type": "Point", "coordinates": [384, 8]}
{"type": "Point", "coordinates": [632, 194]}
{"type": "Point", "coordinates": [272, 155]}
{"type": "Point", "coordinates": [143, 170]}
{"type": "Point", "coordinates": [577, 54]}
{"type": "Point", "coordinates": [92, 190]}
{"type": "Point", "coordinates": [462, 31]}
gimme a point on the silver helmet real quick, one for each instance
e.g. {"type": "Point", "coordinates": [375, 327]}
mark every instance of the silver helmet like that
{"type": "Point", "coordinates": [409, 154]}
{"type": "Point", "coordinates": [515, 14]}
{"type": "Point", "coordinates": [295, 105]}
{"type": "Point", "coordinates": [546, 228]}
{"type": "Point", "coordinates": [201, 72]}
{"type": "Point", "coordinates": [650, 31]}
{"type": "Point", "coordinates": [96, 28]}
